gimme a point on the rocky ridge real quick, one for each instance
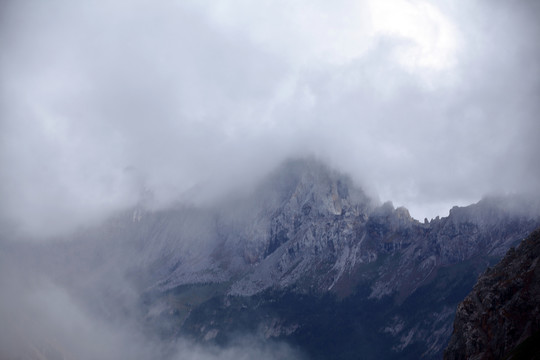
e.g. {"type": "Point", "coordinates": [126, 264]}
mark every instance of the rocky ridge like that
{"type": "Point", "coordinates": [503, 310]}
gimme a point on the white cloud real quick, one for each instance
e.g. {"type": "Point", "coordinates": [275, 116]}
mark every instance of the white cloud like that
{"type": "Point", "coordinates": [431, 38]}
{"type": "Point", "coordinates": [429, 103]}
{"type": "Point", "coordinates": [304, 33]}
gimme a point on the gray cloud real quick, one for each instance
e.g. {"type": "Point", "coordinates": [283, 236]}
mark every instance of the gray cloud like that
{"type": "Point", "coordinates": [100, 101]}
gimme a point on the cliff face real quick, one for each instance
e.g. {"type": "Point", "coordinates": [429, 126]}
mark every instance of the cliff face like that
{"type": "Point", "coordinates": [503, 310]}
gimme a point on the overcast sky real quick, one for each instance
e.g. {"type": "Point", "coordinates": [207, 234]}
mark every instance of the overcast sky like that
{"type": "Point", "coordinates": [428, 103]}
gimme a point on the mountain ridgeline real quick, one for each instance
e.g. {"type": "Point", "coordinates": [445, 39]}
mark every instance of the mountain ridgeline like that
{"type": "Point", "coordinates": [306, 258]}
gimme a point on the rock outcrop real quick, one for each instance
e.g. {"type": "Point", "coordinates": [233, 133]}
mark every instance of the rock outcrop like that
{"type": "Point", "coordinates": [503, 310]}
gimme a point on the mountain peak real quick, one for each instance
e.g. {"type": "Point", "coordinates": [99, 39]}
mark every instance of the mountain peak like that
{"type": "Point", "coordinates": [310, 184]}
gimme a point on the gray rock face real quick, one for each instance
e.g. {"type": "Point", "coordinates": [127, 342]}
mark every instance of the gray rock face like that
{"type": "Point", "coordinates": [316, 220]}
{"type": "Point", "coordinates": [503, 310]}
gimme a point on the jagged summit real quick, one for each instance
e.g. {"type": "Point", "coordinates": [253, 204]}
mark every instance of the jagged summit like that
{"type": "Point", "coordinates": [308, 183]}
{"type": "Point", "coordinates": [312, 186]}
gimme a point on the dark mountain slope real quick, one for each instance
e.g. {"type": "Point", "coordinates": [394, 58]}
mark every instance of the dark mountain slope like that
{"type": "Point", "coordinates": [503, 310]}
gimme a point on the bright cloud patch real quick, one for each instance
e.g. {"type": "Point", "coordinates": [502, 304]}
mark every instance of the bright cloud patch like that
{"type": "Point", "coordinates": [432, 39]}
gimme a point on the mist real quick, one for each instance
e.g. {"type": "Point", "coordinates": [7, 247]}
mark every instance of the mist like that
{"type": "Point", "coordinates": [56, 327]}
{"type": "Point", "coordinates": [70, 302]}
